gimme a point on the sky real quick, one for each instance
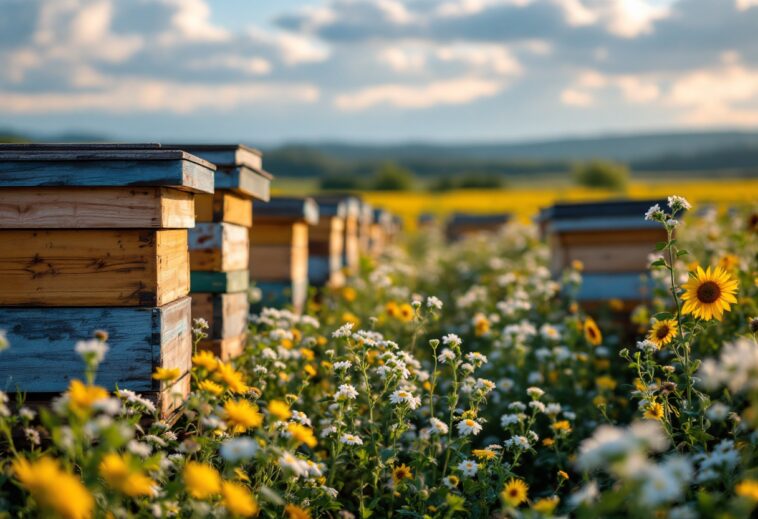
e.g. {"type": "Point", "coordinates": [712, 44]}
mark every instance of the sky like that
{"type": "Point", "coordinates": [274, 71]}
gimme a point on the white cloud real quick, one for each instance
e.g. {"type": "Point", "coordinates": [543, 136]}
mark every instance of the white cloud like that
{"type": "Point", "coordinates": [744, 5]}
{"type": "Point", "coordinates": [137, 94]}
{"type": "Point", "coordinates": [723, 95]}
{"type": "Point", "coordinates": [443, 92]}
{"type": "Point", "coordinates": [577, 98]}
{"type": "Point", "coordinates": [192, 21]}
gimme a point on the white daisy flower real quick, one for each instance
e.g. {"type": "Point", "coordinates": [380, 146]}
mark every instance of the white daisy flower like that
{"type": "Point", "coordinates": [469, 427]}
{"type": "Point", "coordinates": [468, 468]}
{"type": "Point", "coordinates": [401, 396]}
{"type": "Point", "coordinates": [351, 439]}
{"type": "Point", "coordinates": [346, 392]}
{"type": "Point", "coordinates": [438, 426]}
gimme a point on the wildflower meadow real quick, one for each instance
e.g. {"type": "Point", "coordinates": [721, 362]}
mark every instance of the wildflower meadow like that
{"type": "Point", "coordinates": [443, 380]}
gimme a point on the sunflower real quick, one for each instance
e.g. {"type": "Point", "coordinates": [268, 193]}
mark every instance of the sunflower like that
{"type": "Point", "coordinates": [402, 472]}
{"type": "Point", "coordinates": [514, 492]}
{"type": "Point", "coordinates": [592, 332]}
{"type": "Point", "coordinates": [654, 411]}
{"type": "Point", "coordinates": [663, 332]}
{"type": "Point", "coordinates": [708, 293]}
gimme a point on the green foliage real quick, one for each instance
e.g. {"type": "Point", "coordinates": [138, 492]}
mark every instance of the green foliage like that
{"type": "Point", "coordinates": [467, 181]}
{"type": "Point", "coordinates": [341, 183]}
{"type": "Point", "coordinates": [391, 177]}
{"type": "Point", "coordinates": [599, 174]}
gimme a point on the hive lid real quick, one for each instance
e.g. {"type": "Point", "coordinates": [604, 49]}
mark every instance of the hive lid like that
{"type": "Point", "coordinates": [103, 165]}
{"type": "Point", "coordinates": [483, 219]}
{"type": "Point", "coordinates": [606, 215]}
{"type": "Point", "coordinates": [240, 167]}
{"type": "Point", "coordinates": [350, 204]}
{"type": "Point", "coordinates": [289, 209]}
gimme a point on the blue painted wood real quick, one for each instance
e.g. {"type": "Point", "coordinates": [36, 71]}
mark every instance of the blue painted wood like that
{"type": "Point", "coordinates": [244, 181]}
{"type": "Point", "coordinates": [602, 223]}
{"type": "Point", "coordinates": [603, 287]}
{"type": "Point", "coordinates": [291, 209]}
{"type": "Point", "coordinates": [219, 282]}
{"type": "Point", "coordinates": [41, 357]}
{"type": "Point", "coordinates": [106, 169]}
{"type": "Point", "coordinates": [319, 270]}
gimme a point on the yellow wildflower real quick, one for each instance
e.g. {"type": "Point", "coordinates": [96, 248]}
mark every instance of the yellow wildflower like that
{"type": "Point", "coordinates": [81, 396]}
{"type": "Point", "coordinates": [241, 415]}
{"type": "Point", "coordinates": [402, 472]}
{"type": "Point", "coordinates": [211, 387]}
{"type": "Point", "coordinates": [748, 489]}
{"type": "Point", "coordinates": [349, 294]}
{"type": "Point", "coordinates": [202, 481]}
{"type": "Point", "coordinates": [279, 409]}
{"type": "Point", "coordinates": [53, 488]}
{"type": "Point", "coordinates": [205, 359]}
{"type": "Point", "coordinates": [605, 382]}
{"type": "Point", "coordinates": [166, 374]}
{"type": "Point", "coordinates": [295, 512]}
{"type": "Point", "coordinates": [119, 474]}
{"type": "Point", "coordinates": [302, 434]}
{"type": "Point", "coordinates": [483, 454]}
{"type": "Point", "coordinates": [233, 379]}
{"type": "Point", "coordinates": [238, 500]}
{"type": "Point", "coordinates": [515, 492]}
{"type": "Point", "coordinates": [654, 411]}
{"type": "Point", "coordinates": [546, 505]}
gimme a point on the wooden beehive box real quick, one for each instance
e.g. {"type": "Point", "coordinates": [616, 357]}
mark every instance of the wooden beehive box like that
{"type": "Point", "coordinates": [220, 243]}
{"type": "Point", "coordinates": [365, 221]}
{"type": "Point", "coordinates": [461, 225]}
{"type": "Point", "coordinates": [94, 236]}
{"type": "Point", "coordinates": [279, 249]}
{"type": "Point", "coordinates": [381, 232]}
{"type": "Point", "coordinates": [326, 243]}
{"type": "Point", "coordinates": [611, 239]}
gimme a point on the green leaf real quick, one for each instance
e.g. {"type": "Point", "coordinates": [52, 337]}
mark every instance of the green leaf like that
{"type": "Point", "coordinates": [663, 316]}
{"type": "Point", "coordinates": [658, 263]}
{"type": "Point", "coordinates": [661, 245]}
{"type": "Point", "coordinates": [681, 253]}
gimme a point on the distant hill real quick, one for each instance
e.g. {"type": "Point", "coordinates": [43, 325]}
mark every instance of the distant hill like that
{"type": "Point", "coordinates": [725, 153]}
{"type": "Point", "coordinates": [623, 148]}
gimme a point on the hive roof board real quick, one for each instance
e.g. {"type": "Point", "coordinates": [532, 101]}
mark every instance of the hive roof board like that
{"type": "Point", "coordinates": [483, 219]}
{"type": "Point", "coordinates": [103, 165]}
{"type": "Point", "coordinates": [599, 216]}
{"type": "Point", "coordinates": [240, 167]}
{"type": "Point", "coordinates": [289, 209]}
{"type": "Point", "coordinates": [350, 204]}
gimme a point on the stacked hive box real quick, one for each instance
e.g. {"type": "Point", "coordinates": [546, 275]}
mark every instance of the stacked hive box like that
{"type": "Point", "coordinates": [365, 221]}
{"type": "Point", "coordinates": [279, 250]}
{"type": "Point", "coordinates": [381, 231]}
{"type": "Point", "coordinates": [351, 254]}
{"type": "Point", "coordinates": [95, 237]}
{"type": "Point", "coordinates": [326, 243]}
{"type": "Point", "coordinates": [611, 239]}
{"type": "Point", "coordinates": [220, 244]}
{"type": "Point", "coordinates": [463, 225]}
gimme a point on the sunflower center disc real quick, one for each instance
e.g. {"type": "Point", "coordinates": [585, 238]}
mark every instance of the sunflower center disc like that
{"type": "Point", "coordinates": [663, 331]}
{"type": "Point", "coordinates": [708, 292]}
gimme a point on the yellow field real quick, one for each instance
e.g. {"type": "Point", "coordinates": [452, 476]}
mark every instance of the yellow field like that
{"type": "Point", "coordinates": [524, 203]}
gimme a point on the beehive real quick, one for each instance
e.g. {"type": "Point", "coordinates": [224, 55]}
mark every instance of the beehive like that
{"type": "Point", "coordinates": [461, 225]}
{"type": "Point", "coordinates": [365, 222]}
{"type": "Point", "coordinates": [381, 232]}
{"type": "Point", "coordinates": [279, 250]}
{"type": "Point", "coordinates": [220, 243]}
{"type": "Point", "coordinates": [326, 243]}
{"type": "Point", "coordinates": [611, 239]}
{"type": "Point", "coordinates": [95, 237]}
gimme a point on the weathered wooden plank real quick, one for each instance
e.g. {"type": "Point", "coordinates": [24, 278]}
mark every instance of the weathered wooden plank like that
{"type": "Point", "coordinates": [623, 286]}
{"type": "Point", "coordinates": [219, 247]}
{"type": "Point", "coordinates": [220, 282]}
{"type": "Point", "coordinates": [224, 206]}
{"type": "Point", "coordinates": [227, 348]}
{"type": "Point", "coordinates": [278, 262]}
{"type": "Point", "coordinates": [226, 314]}
{"type": "Point", "coordinates": [294, 234]}
{"type": "Point", "coordinates": [129, 267]}
{"type": "Point", "coordinates": [89, 208]}
{"type": "Point", "coordinates": [288, 209]}
{"type": "Point", "coordinates": [42, 359]}
{"type": "Point", "coordinates": [224, 154]}
{"type": "Point", "coordinates": [246, 181]}
{"type": "Point", "coordinates": [280, 293]}
{"type": "Point", "coordinates": [139, 168]}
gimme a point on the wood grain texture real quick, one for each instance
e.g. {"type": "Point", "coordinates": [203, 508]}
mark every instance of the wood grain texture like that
{"type": "Point", "coordinates": [224, 206]}
{"type": "Point", "coordinates": [227, 314]}
{"type": "Point", "coordinates": [219, 247]}
{"type": "Point", "coordinates": [220, 282]}
{"type": "Point", "coordinates": [226, 349]}
{"type": "Point", "coordinates": [278, 262]}
{"type": "Point", "coordinates": [92, 208]}
{"type": "Point", "coordinates": [111, 169]}
{"type": "Point", "coordinates": [42, 357]}
{"type": "Point", "coordinates": [93, 267]}
{"type": "Point", "coordinates": [279, 233]}
{"type": "Point", "coordinates": [245, 181]}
